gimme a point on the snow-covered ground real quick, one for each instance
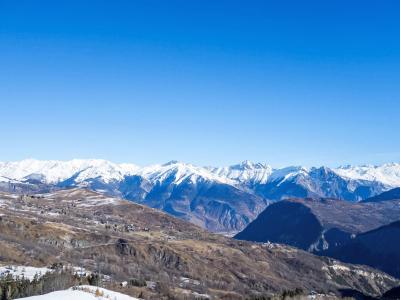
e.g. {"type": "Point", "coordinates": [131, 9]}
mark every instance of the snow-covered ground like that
{"type": "Point", "coordinates": [28, 272]}
{"type": "Point", "coordinates": [23, 271]}
{"type": "Point", "coordinates": [84, 292]}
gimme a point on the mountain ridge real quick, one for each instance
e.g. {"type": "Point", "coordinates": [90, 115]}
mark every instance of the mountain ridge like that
{"type": "Point", "coordinates": [389, 173]}
{"type": "Point", "coordinates": [223, 199]}
{"type": "Point", "coordinates": [246, 171]}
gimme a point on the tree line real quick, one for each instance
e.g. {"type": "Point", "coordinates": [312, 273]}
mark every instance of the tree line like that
{"type": "Point", "coordinates": [18, 287]}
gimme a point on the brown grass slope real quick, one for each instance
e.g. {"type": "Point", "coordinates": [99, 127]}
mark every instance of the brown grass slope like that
{"type": "Point", "coordinates": [125, 240]}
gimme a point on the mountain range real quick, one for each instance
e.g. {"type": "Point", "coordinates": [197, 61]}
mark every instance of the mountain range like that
{"type": "Point", "coordinates": [220, 199]}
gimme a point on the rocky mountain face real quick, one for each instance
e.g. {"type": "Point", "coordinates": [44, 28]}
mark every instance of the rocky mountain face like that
{"type": "Point", "coordinates": [127, 241]}
{"type": "Point", "coordinates": [222, 199]}
{"type": "Point", "coordinates": [318, 182]}
{"type": "Point", "coordinates": [331, 227]}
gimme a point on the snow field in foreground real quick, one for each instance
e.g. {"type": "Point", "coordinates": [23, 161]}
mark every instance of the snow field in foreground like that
{"type": "Point", "coordinates": [84, 292]}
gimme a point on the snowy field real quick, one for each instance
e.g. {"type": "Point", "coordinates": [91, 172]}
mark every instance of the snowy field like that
{"type": "Point", "coordinates": [23, 271]}
{"type": "Point", "coordinates": [84, 292]}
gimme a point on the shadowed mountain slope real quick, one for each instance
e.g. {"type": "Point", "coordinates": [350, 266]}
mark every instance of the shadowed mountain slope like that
{"type": "Point", "coordinates": [392, 194]}
{"type": "Point", "coordinates": [318, 224]}
{"type": "Point", "coordinates": [379, 248]}
{"type": "Point", "coordinates": [353, 232]}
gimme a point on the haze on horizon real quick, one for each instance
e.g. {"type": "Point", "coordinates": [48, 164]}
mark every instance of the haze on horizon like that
{"type": "Point", "coordinates": [208, 83]}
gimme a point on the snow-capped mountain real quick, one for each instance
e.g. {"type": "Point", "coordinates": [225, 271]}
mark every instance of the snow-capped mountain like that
{"type": "Point", "coordinates": [53, 171]}
{"type": "Point", "coordinates": [245, 172]}
{"type": "Point", "coordinates": [217, 198]}
{"type": "Point", "coordinates": [388, 174]}
{"type": "Point", "coordinates": [180, 172]}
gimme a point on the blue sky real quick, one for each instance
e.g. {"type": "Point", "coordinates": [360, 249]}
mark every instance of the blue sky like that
{"type": "Point", "coordinates": [207, 82]}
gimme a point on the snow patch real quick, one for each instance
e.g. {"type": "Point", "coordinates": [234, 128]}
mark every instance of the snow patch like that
{"type": "Point", "coordinates": [23, 271]}
{"type": "Point", "coordinates": [84, 292]}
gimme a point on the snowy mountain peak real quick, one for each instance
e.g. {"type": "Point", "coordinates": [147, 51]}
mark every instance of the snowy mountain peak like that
{"type": "Point", "coordinates": [245, 172]}
{"type": "Point", "coordinates": [249, 165]}
{"type": "Point", "coordinates": [388, 174]}
{"type": "Point", "coordinates": [171, 162]}
{"type": "Point", "coordinates": [179, 172]}
{"type": "Point", "coordinates": [54, 171]}
{"type": "Point", "coordinates": [322, 170]}
{"type": "Point", "coordinates": [287, 173]}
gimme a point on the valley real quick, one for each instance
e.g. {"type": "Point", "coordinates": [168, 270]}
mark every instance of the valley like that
{"type": "Point", "coordinates": [123, 241]}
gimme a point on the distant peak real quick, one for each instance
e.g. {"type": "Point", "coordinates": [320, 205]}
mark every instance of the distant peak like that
{"type": "Point", "coordinates": [171, 162]}
{"type": "Point", "coordinates": [248, 164]}
{"type": "Point", "coordinates": [323, 169]}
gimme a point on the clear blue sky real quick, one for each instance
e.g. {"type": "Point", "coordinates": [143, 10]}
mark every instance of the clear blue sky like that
{"type": "Point", "coordinates": [207, 82]}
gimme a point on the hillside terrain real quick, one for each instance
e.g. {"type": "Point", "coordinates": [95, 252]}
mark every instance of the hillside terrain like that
{"type": "Point", "coordinates": [163, 256]}
{"type": "Point", "coordinates": [380, 249]}
{"type": "Point", "coordinates": [318, 224]}
{"type": "Point", "coordinates": [353, 232]}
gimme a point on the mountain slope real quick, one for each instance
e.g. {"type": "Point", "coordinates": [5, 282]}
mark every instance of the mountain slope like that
{"type": "Point", "coordinates": [380, 248]}
{"type": "Point", "coordinates": [317, 182]}
{"type": "Point", "coordinates": [335, 228]}
{"type": "Point", "coordinates": [215, 206]}
{"type": "Point", "coordinates": [392, 194]}
{"type": "Point", "coordinates": [126, 240]}
{"type": "Point", "coordinates": [285, 222]}
{"type": "Point", "coordinates": [318, 224]}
